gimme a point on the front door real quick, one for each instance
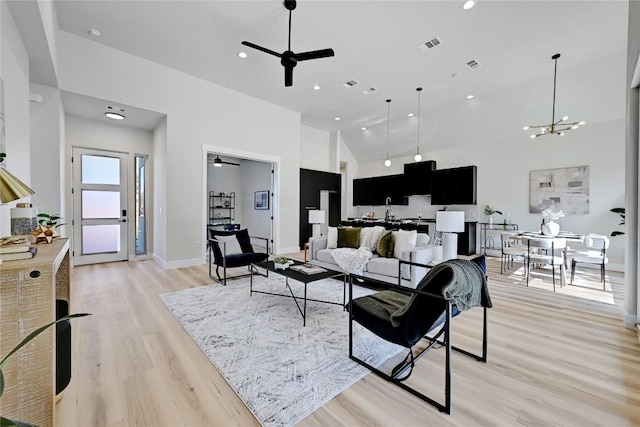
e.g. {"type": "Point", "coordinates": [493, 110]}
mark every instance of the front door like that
{"type": "Point", "coordinates": [99, 206]}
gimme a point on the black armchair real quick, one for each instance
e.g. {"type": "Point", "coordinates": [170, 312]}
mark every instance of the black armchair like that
{"type": "Point", "coordinates": [407, 316]}
{"type": "Point", "coordinates": [230, 249]}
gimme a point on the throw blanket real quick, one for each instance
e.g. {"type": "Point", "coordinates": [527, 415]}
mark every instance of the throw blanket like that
{"type": "Point", "coordinates": [352, 260]}
{"type": "Point", "coordinates": [468, 288]}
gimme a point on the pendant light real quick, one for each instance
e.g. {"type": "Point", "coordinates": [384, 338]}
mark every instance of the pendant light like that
{"type": "Point", "coordinates": [556, 127]}
{"type": "Point", "coordinates": [387, 162]}
{"type": "Point", "coordinates": [418, 156]}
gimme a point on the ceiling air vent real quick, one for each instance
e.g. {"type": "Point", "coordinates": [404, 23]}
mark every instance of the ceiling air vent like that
{"type": "Point", "coordinates": [429, 44]}
{"type": "Point", "coordinates": [473, 64]}
{"type": "Point", "coordinates": [368, 91]}
{"type": "Point", "coordinates": [350, 83]}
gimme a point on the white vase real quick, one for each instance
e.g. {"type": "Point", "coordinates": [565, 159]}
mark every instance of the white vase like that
{"type": "Point", "coordinates": [490, 220]}
{"type": "Point", "coordinates": [550, 228]}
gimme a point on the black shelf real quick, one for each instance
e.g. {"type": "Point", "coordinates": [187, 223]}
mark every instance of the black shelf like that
{"type": "Point", "coordinates": [222, 207]}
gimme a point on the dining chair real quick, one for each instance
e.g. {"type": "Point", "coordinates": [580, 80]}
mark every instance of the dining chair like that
{"type": "Point", "coordinates": [511, 248]}
{"type": "Point", "coordinates": [597, 246]}
{"type": "Point", "coordinates": [542, 250]}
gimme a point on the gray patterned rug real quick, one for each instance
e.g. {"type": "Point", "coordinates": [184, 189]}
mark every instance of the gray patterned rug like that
{"type": "Point", "coordinates": [280, 369]}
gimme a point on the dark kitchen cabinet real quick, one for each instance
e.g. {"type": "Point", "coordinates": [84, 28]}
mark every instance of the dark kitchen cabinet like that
{"type": "Point", "coordinates": [454, 186]}
{"type": "Point", "coordinates": [374, 191]}
{"type": "Point", "coordinates": [418, 177]}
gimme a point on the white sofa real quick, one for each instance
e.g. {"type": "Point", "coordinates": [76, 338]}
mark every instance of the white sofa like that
{"type": "Point", "coordinates": [385, 269]}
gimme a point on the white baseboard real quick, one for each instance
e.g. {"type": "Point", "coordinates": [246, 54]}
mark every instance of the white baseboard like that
{"type": "Point", "coordinates": [290, 250]}
{"type": "Point", "coordinates": [630, 321]}
{"type": "Point", "coordinates": [170, 265]}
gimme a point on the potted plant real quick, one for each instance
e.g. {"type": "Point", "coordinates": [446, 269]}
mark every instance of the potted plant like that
{"type": "Point", "coordinates": [489, 211]}
{"type": "Point", "coordinates": [549, 226]}
{"type": "Point", "coordinates": [5, 421]}
{"type": "Point", "coordinates": [46, 231]}
{"type": "Point", "coordinates": [622, 213]}
{"type": "Point", "coordinates": [281, 263]}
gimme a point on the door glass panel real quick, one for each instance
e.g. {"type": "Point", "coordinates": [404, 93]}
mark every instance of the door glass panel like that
{"type": "Point", "coordinates": [100, 204]}
{"type": "Point", "coordinates": [100, 170]}
{"type": "Point", "coordinates": [100, 238]}
{"type": "Point", "coordinates": [141, 245]}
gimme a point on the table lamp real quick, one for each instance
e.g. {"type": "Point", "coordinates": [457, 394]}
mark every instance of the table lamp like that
{"type": "Point", "coordinates": [450, 222]}
{"type": "Point", "coordinates": [316, 217]}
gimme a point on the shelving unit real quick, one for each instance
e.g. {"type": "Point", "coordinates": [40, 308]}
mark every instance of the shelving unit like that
{"type": "Point", "coordinates": [222, 208]}
{"type": "Point", "coordinates": [488, 242]}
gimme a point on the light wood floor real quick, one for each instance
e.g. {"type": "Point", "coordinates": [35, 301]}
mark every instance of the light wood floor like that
{"type": "Point", "coordinates": [559, 358]}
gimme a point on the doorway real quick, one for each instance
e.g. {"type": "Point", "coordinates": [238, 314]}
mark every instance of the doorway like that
{"type": "Point", "coordinates": [99, 206]}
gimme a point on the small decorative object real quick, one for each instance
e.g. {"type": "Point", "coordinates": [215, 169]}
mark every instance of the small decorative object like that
{"type": "Point", "coordinates": [281, 263]}
{"type": "Point", "coordinates": [46, 231]}
{"type": "Point", "coordinates": [227, 203]}
{"type": "Point", "coordinates": [489, 211]}
{"type": "Point", "coordinates": [549, 227]}
{"type": "Point", "coordinates": [622, 213]}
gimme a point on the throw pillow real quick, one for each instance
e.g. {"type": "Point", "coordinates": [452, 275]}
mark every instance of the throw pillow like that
{"type": "Point", "coordinates": [349, 237]}
{"type": "Point", "coordinates": [422, 240]}
{"type": "Point", "coordinates": [482, 263]}
{"type": "Point", "coordinates": [229, 245]}
{"type": "Point", "coordinates": [332, 237]}
{"type": "Point", "coordinates": [385, 244]}
{"type": "Point", "coordinates": [405, 239]}
{"type": "Point", "coordinates": [244, 240]}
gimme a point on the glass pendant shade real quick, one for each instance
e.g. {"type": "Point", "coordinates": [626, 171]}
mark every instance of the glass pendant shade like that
{"type": "Point", "coordinates": [387, 162]}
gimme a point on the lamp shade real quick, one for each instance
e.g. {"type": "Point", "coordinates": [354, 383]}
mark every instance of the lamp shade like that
{"type": "Point", "coordinates": [11, 188]}
{"type": "Point", "coordinates": [316, 217]}
{"type": "Point", "coordinates": [450, 221]}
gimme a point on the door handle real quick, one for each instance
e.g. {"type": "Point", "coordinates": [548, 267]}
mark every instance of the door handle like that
{"type": "Point", "coordinates": [123, 220]}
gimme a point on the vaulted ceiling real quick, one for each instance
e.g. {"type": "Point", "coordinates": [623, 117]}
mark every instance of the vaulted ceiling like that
{"type": "Point", "coordinates": [376, 43]}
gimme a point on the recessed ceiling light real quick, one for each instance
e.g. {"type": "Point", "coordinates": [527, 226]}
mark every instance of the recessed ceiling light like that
{"type": "Point", "coordinates": [336, 119]}
{"type": "Point", "coordinates": [410, 114]}
{"type": "Point", "coordinates": [242, 55]}
{"type": "Point", "coordinates": [363, 128]}
{"type": "Point", "coordinates": [470, 96]}
{"type": "Point", "coordinates": [469, 4]}
{"type": "Point", "coordinates": [316, 87]}
{"type": "Point", "coordinates": [93, 32]}
{"type": "Point", "coordinates": [114, 116]}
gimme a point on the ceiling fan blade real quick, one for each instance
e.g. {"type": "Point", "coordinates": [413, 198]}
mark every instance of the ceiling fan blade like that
{"type": "Point", "coordinates": [230, 163]}
{"type": "Point", "coordinates": [263, 49]}
{"type": "Point", "coordinates": [288, 76]}
{"type": "Point", "coordinates": [314, 54]}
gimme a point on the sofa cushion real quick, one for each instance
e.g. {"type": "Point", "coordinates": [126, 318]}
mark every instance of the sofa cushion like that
{"type": "Point", "coordinates": [404, 240]}
{"type": "Point", "coordinates": [385, 244]}
{"type": "Point", "coordinates": [241, 260]}
{"type": "Point", "coordinates": [383, 266]}
{"type": "Point", "coordinates": [324, 255]}
{"type": "Point", "coordinates": [349, 237]}
{"type": "Point", "coordinates": [332, 237]}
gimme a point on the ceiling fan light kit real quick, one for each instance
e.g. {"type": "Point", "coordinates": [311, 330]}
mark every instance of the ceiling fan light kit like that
{"type": "Point", "coordinates": [288, 58]}
{"type": "Point", "coordinates": [387, 162]}
{"type": "Point", "coordinates": [556, 127]}
{"type": "Point", "coordinates": [418, 156]}
{"type": "Point", "coordinates": [218, 162]}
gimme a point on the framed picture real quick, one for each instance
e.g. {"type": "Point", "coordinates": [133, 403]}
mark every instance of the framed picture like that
{"type": "Point", "coordinates": [564, 189]}
{"type": "Point", "coordinates": [261, 200]}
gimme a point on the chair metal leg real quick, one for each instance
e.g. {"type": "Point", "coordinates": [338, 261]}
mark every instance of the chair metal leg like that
{"type": "Point", "coordinates": [573, 269]}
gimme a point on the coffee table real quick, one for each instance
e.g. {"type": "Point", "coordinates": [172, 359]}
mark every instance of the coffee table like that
{"type": "Point", "coordinates": [299, 277]}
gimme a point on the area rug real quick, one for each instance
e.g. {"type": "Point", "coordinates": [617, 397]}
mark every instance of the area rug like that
{"type": "Point", "coordinates": [280, 369]}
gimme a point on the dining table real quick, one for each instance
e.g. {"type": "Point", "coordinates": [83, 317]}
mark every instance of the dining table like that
{"type": "Point", "coordinates": [561, 237]}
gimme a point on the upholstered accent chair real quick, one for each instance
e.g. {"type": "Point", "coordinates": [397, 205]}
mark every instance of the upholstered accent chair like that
{"type": "Point", "coordinates": [231, 249]}
{"type": "Point", "coordinates": [420, 319]}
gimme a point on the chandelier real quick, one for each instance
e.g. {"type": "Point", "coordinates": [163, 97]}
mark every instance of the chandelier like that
{"type": "Point", "coordinates": [556, 127]}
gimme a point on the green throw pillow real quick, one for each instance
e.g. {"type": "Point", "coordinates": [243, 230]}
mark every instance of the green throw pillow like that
{"type": "Point", "coordinates": [386, 243]}
{"type": "Point", "coordinates": [349, 237]}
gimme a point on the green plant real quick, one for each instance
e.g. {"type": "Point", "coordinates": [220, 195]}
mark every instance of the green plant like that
{"type": "Point", "coordinates": [622, 213]}
{"type": "Point", "coordinates": [488, 210]}
{"type": "Point", "coordinates": [49, 220]}
{"type": "Point", "coordinates": [5, 422]}
{"type": "Point", "coordinates": [281, 260]}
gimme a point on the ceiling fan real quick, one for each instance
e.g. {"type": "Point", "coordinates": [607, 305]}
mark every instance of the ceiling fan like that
{"type": "Point", "coordinates": [289, 59]}
{"type": "Point", "coordinates": [218, 162]}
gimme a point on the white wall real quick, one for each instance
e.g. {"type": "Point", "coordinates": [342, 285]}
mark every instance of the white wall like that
{"type": "Point", "coordinates": [48, 147]}
{"type": "Point", "coordinates": [314, 149]}
{"type": "Point", "coordinates": [14, 70]}
{"type": "Point", "coordinates": [198, 113]}
{"type": "Point", "coordinates": [159, 199]}
{"type": "Point", "coordinates": [226, 179]}
{"type": "Point", "coordinates": [256, 176]}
